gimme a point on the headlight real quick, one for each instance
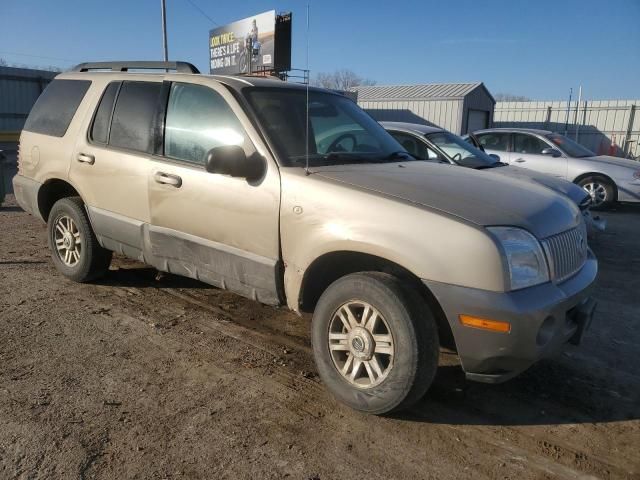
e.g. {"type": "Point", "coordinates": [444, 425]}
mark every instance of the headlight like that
{"type": "Point", "coordinates": [526, 263]}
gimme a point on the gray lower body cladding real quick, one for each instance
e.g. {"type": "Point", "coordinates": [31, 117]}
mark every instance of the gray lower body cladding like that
{"type": "Point", "coordinates": [26, 191]}
{"type": "Point", "coordinates": [167, 250]}
{"type": "Point", "coordinates": [175, 252]}
{"type": "Point", "coordinates": [543, 319]}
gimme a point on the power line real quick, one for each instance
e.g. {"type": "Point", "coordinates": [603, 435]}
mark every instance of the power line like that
{"type": "Point", "coordinates": [203, 13]}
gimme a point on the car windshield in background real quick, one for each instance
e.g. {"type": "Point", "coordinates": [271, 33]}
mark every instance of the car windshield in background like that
{"type": "Point", "coordinates": [462, 152]}
{"type": "Point", "coordinates": [339, 131]}
{"type": "Point", "coordinates": [570, 147]}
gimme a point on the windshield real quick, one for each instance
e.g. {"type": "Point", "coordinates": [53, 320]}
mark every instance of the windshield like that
{"type": "Point", "coordinates": [570, 147]}
{"type": "Point", "coordinates": [461, 152]}
{"type": "Point", "coordinates": [339, 131]}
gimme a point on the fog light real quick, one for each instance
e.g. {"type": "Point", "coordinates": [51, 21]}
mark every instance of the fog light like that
{"type": "Point", "coordinates": [485, 324]}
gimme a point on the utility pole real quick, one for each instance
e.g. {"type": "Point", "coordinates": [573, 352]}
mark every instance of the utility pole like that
{"type": "Point", "coordinates": [577, 121]}
{"type": "Point", "coordinates": [164, 30]}
{"type": "Point", "coordinates": [566, 123]}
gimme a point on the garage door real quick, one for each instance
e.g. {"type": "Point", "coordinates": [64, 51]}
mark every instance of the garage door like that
{"type": "Point", "coordinates": [477, 120]}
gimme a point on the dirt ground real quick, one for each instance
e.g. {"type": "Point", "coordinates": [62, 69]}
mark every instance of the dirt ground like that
{"type": "Point", "coordinates": [140, 376]}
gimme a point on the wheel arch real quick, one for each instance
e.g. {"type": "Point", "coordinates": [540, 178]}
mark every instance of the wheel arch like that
{"type": "Point", "coordinates": [51, 191]}
{"type": "Point", "coordinates": [329, 267]}
{"type": "Point", "coordinates": [582, 176]}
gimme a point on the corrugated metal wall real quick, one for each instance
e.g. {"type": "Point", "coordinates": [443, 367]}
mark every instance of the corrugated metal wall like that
{"type": "Point", "coordinates": [476, 100]}
{"type": "Point", "coordinates": [443, 113]}
{"type": "Point", "coordinates": [19, 89]}
{"type": "Point", "coordinates": [608, 127]}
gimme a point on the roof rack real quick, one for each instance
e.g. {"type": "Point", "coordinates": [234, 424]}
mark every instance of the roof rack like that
{"type": "Point", "coordinates": [124, 66]}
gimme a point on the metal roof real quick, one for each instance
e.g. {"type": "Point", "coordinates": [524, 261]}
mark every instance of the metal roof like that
{"type": "Point", "coordinates": [428, 91]}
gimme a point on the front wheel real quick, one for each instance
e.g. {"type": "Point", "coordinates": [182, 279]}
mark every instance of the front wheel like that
{"type": "Point", "coordinates": [375, 342]}
{"type": "Point", "coordinates": [74, 247]}
{"type": "Point", "coordinates": [601, 190]}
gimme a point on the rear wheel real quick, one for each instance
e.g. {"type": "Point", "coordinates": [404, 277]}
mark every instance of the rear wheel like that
{"type": "Point", "coordinates": [601, 190]}
{"type": "Point", "coordinates": [74, 247]}
{"type": "Point", "coordinates": [375, 342]}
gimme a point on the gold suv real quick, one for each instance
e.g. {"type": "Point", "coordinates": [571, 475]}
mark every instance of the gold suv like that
{"type": "Point", "coordinates": [293, 195]}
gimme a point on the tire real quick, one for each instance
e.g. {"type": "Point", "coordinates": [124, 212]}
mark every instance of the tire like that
{"type": "Point", "coordinates": [407, 319]}
{"type": "Point", "coordinates": [90, 261]}
{"type": "Point", "coordinates": [602, 191]}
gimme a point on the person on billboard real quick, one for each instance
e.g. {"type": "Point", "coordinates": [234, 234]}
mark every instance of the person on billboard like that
{"type": "Point", "coordinates": [251, 49]}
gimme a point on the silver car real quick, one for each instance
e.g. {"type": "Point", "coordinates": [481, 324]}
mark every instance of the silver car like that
{"type": "Point", "coordinates": [607, 179]}
{"type": "Point", "coordinates": [434, 143]}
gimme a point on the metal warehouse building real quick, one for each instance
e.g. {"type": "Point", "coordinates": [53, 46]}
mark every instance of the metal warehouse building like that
{"type": "Point", "coordinates": [19, 89]}
{"type": "Point", "coordinates": [458, 107]}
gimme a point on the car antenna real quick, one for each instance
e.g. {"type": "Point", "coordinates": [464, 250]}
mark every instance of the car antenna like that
{"type": "Point", "coordinates": [306, 123]}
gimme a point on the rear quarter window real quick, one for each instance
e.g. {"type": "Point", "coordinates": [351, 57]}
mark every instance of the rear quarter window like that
{"type": "Point", "coordinates": [55, 108]}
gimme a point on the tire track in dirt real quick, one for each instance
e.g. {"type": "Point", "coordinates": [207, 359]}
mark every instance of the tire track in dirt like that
{"type": "Point", "coordinates": [545, 457]}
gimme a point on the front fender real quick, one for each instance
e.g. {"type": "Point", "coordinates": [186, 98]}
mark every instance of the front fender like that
{"type": "Point", "coordinates": [319, 216]}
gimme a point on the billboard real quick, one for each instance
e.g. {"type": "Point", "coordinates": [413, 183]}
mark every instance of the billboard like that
{"type": "Point", "coordinates": [245, 46]}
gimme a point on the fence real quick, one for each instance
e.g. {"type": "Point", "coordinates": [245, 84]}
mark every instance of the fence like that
{"type": "Point", "coordinates": [607, 127]}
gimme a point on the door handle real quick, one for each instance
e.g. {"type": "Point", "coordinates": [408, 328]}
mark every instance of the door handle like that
{"type": "Point", "coordinates": [85, 158]}
{"type": "Point", "coordinates": [520, 160]}
{"type": "Point", "coordinates": [168, 179]}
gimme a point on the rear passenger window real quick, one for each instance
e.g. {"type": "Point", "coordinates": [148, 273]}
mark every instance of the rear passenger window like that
{"type": "Point", "coordinates": [494, 141]}
{"type": "Point", "coordinates": [132, 124]}
{"type": "Point", "coordinates": [55, 108]}
{"type": "Point", "coordinates": [198, 119]}
{"type": "Point", "coordinates": [101, 122]}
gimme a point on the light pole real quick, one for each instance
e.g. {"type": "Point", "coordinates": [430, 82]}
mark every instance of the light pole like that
{"type": "Point", "coordinates": [164, 30]}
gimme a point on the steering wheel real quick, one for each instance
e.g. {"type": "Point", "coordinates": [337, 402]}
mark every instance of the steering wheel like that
{"type": "Point", "coordinates": [337, 141]}
{"type": "Point", "coordinates": [459, 155]}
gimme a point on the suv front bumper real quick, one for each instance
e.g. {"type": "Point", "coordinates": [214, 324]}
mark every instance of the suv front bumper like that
{"type": "Point", "coordinates": [543, 319]}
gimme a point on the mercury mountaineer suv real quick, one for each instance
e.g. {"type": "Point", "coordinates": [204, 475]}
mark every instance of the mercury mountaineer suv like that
{"type": "Point", "coordinates": [294, 196]}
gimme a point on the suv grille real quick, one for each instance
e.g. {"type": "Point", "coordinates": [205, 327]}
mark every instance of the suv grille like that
{"type": "Point", "coordinates": [566, 252]}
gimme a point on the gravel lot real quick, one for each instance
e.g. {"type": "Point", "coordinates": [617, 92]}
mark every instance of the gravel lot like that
{"type": "Point", "coordinates": [147, 376]}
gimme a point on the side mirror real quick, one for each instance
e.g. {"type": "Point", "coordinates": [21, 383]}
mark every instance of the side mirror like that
{"type": "Point", "coordinates": [231, 160]}
{"type": "Point", "coordinates": [551, 151]}
{"type": "Point", "coordinates": [495, 157]}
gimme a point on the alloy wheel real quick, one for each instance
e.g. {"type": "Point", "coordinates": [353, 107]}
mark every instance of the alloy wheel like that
{"type": "Point", "coordinates": [361, 344]}
{"type": "Point", "coordinates": [597, 191]}
{"type": "Point", "coordinates": [68, 240]}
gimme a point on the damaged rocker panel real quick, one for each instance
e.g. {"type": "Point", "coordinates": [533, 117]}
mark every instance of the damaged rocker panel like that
{"type": "Point", "coordinates": [168, 250]}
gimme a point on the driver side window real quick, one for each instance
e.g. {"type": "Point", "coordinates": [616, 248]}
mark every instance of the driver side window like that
{"type": "Point", "coordinates": [524, 143]}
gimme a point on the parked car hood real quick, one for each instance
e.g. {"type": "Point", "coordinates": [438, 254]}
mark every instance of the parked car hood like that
{"type": "Point", "coordinates": [617, 161]}
{"type": "Point", "coordinates": [470, 195]}
{"type": "Point", "coordinates": [571, 190]}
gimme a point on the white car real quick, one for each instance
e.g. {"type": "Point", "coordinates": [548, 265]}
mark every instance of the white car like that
{"type": "Point", "coordinates": [607, 179]}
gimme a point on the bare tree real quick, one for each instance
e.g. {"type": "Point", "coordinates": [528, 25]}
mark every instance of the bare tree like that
{"type": "Point", "coordinates": [508, 97]}
{"type": "Point", "coordinates": [343, 79]}
{"type": "Point", "coordinates": [3, 62]}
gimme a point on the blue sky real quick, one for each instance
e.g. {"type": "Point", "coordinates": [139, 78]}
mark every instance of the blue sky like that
{"type": "Point", "coordinates": [534, 48]}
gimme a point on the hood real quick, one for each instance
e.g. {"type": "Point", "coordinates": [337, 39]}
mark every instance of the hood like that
{"type": "Point", "coordinates": [571, 190]}
{"type": "Point", "coordinates": [465, 193]}
{"type": "Point", "coordinates": [617, 161]}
